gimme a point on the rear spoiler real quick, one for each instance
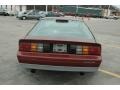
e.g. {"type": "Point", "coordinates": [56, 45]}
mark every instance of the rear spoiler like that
{"type": "Point", "coordinates": [59, 42]}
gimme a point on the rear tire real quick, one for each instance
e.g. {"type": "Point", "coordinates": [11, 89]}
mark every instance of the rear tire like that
{"type": "Point", "coordinates": [38, 18]}
{"type": "Point", "coordinates": [4, 14]}
{"type": "Point", "coordinates": [82, 73]}
{"type": "Point", "coordinates": [33, 70]}
{"type": "Point", "coordinates": [7, 14]}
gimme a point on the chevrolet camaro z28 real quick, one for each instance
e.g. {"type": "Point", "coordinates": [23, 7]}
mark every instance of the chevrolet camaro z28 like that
{"type": "Point", "coordinates": [60, 44]}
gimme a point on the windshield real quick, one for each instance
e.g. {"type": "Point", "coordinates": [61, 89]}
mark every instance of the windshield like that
{"type": "Point", "coordinates": [51, 28]}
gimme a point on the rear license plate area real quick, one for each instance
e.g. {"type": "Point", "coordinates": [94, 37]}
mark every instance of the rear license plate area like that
{"type": "Point", "coordinates": [60, 48]}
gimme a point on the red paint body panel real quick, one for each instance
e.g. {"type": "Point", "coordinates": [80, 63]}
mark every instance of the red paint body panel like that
{"type": "Point", "coordinates": [58, 59]}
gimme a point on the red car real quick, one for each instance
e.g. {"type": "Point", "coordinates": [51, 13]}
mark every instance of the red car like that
{"type": "Point", "coordinates": [61, 44]}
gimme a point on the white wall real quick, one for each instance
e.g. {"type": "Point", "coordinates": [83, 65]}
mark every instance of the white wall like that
{"type": "Point", "coordinates": [17, 7]}
{"type": "Point", "coordinates": [14, 9]}
{"type": "Point", "coordinates": [106, 12]}
{"type": "Point", "coordinates": [8, 7]}
{"type": "Point", "coordinates": [24, 8]}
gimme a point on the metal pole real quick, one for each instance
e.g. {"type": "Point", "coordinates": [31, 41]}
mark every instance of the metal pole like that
{"type": "Point", "coordinates": [34, 7]}
{"type": "Point", "coordinates": [108, 10]}
{"type": "Point", "coordinates": [46, 8]}
{"type": "Point", "coordinates": [100, 6]}
{"type": "Point", "coordinates": [76, 9]}
{"type": "Point", "coordinates": [52, 8]}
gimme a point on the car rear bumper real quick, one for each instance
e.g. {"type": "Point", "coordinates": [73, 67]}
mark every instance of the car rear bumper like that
{"type": "Point", "coordinates": [59, 68]}
{"type": "Point", "coordinates": [59, 61]}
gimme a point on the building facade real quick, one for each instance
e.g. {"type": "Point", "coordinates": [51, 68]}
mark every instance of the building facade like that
{"type": "Point", "coordinates": [107, 9]}
{"type": "Point", "coordinates": [17, 8]}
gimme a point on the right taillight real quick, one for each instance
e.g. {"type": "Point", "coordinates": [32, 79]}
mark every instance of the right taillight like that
{"type": "Point", "coordinates": [88, 50]}
{"type": "Point", "coordinates": [79, 49]}
{"type": "Point", "coordinates": [95, 50]}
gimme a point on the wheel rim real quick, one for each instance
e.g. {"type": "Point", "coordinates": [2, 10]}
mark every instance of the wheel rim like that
{"type": "Point", "coordinates": [24, 18]}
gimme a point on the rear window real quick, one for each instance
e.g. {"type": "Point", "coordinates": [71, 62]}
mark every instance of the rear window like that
{"type": "Point", "coordinates": [53, 28]}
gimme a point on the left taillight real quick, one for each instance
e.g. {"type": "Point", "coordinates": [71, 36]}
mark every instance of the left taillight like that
{"type": "Point", "coordinates": [36, 47]}
{"type": "Point", "coordinates": [30, 47]}
{"type": "Point", "coordinates": [24, 46]}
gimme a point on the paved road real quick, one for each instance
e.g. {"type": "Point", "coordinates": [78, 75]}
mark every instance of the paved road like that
{"type": "Point", "coordinates": [107, 33]}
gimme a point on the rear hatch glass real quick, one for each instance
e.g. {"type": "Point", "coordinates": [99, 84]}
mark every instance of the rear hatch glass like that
{"type": "Point", "coordinates": [54, 28]}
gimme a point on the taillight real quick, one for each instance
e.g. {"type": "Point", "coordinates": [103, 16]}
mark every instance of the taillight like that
{"type": "Point", "coordinates": [30, 47]}
{"type": "Point", "coordinates": [85, 50]}
{"type": "Point", "coordinates": [24, 46]}
{"type": "Point", "coordinates": [88, 50]}
{"type": "Point", "coordinates": [95, 50]}
{"type": "Point", "coordinates": [34, 47]}
{"type": "Point", "coordinates": [81, 49]}
{"type": "Point", "coordinates": [40, 47]}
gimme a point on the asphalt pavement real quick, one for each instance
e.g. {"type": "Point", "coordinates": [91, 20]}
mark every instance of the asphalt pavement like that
{"type": "Point", "coordinates": [107, 32]}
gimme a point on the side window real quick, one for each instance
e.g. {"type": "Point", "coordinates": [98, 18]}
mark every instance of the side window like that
{"type": "Point", "coordinates": [30, 13]}
{"type": "Point", "coordinates": [34, 12]}
{"type": "Point", "coordinates": [37, 13]}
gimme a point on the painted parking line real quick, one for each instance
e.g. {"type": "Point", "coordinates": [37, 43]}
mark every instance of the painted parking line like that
{"type": "Point", "coordinates": [109, 73]}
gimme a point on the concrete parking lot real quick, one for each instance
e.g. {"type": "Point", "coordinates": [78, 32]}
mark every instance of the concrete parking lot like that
{"type": "Point", "coordinates": [107, 32]}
